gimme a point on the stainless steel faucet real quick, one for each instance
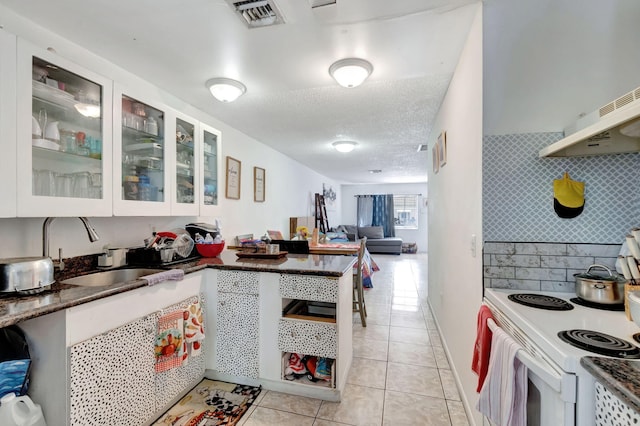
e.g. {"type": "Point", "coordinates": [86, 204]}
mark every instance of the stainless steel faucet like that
{"type": "Point", "coordinates": [93, 237]}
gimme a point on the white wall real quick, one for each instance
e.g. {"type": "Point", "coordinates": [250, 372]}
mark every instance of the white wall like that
{"type": "Point", "coordinates": [350, 208]}
{"type": "Point", "coordinates": [290, 186]}
{"type": "Point", "coordinates": [455, 214]}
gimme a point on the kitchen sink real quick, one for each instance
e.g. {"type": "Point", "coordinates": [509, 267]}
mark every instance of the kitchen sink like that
{"type": "Point", "coordinates": [104, 278]}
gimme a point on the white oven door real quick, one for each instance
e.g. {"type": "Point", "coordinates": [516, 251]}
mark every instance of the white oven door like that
{"type": "Point", "coordinates": [551, 398]}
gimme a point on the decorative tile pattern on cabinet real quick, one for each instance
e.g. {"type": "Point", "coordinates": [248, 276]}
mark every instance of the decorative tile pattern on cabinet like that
{"type": "Point", "coordinates": [611, 411]}
{"type": "Point", "coordinates": [304, 287]}
{"type": "Point", "coordinates": [308, 337]}
{"type": "Point", "coordinates": [237, 340]}
{"type": "Point", "coordinates": [112, 376]}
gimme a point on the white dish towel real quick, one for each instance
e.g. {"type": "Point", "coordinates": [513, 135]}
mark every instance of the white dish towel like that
{"type": "Point", "coordinates": [503, 397]}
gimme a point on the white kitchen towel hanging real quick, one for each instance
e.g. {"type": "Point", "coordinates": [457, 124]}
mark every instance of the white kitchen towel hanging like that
{"type": "Point", "coordinates": [503, 397]}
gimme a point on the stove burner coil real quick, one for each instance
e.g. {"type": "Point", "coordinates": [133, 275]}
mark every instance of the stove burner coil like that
{"type": "Point", "coordinates": [541, 301]}
{"type": "Point", "coordinates": [600, 343]}
{"type": "Point", "coordinates": [594, 305]}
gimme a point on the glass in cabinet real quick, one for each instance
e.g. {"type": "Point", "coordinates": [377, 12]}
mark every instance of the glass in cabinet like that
{"type": "Point", "coordinates": [210, 168]}
{"type": "Point", "coordinates": [66, 118]}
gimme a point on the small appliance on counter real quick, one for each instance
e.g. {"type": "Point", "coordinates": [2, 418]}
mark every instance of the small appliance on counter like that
{"type": "Point", "coordinates": [26, 275]}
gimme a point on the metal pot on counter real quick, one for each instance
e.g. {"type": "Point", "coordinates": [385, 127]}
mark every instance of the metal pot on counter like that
{"type": "Point", "coordinates": [25, 275]}
{"type": "Point", "coordinates": [598, 288]}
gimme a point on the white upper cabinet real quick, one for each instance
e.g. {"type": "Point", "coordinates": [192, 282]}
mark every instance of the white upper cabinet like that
{"type": "Point", "coordinates": [210, 151]}
{"type": "Point", "coordinates": [141, 178]}
{"type": "Point", "coordinates": [8, 124]}
{"type": "Point", "coordinates": [183, 142]}
{"type": "Point", "coordinates": [64, 139]}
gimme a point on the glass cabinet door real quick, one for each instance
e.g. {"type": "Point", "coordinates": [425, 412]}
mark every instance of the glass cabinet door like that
{"type": "Point", "coordinates": [66, 133]}
{"type": "Point", "coordinates": [143, 152]}
{"type": "Point", "coordinates": [64, 137]}
{"type": "Point", "coordinates": [185, 163]}
{"type": "Point", "coordinates": [210, 169]}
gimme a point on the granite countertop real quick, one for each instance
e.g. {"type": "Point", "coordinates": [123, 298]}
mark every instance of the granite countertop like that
{"type": "Point", "coordinates": [14, 309]}
{"type": "Point", "coordinates": [620, 376]}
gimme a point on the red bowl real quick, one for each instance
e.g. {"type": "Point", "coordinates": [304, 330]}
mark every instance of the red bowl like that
{"type": "Point", "coordinates": [210, 250]}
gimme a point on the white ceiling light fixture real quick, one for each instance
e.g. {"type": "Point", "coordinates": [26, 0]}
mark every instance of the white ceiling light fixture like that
{"type": "Point", "coordinates": [344, 146]}
{"type": "Point", "coordinates": [225, 89]}
{"type": "Point", "coordinates": [350, 72]}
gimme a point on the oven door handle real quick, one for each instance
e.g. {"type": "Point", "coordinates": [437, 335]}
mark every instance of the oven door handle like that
{"type": "Point", "coordinates": [546, 373]}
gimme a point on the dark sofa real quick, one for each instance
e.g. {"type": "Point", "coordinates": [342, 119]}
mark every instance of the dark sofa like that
{"type": "Point", "coordinates": [376, 242]}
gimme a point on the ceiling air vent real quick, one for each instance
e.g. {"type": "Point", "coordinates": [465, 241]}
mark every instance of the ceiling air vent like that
{"type": "Point", "coordinates": [257, 13]}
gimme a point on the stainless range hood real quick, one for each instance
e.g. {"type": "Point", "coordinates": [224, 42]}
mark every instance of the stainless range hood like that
{"type": "Point", "coordinates": [612, 129]}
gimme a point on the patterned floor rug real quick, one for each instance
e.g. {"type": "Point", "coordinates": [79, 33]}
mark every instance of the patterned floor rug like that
{"type": "Point", "coordinates": [211, 403]}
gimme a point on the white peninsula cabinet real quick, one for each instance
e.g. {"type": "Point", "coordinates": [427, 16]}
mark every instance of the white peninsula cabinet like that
{"type": "Point", "coordinates": [94, 364]}
{"type": "Point", "coordinates": [251, 351]}
{"type": "Point", "coordinates": [64, 123]}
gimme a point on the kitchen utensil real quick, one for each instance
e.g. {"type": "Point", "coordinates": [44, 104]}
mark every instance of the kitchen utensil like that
{"type": "Point", "coordinates": [51, 132]}
{"type": "Point", "coordinates": [633, 246]}
{"type": "Point", "coordinates": [626, 271]}
{"type": "Point", "coordinates": [36, 131]}
{"type": "Point", "coordinates": [210, 250]}
{"type": "Point", "coordinates": [25, 274]}
{"type": "Point", "coordinates": [183, 245]}
{"type": "Point", "coordinates": [633, 267]}
{"type": "Point", "coordinates": [606, 290]}
{"type": "Point", "coordinates": [634, 306]}
{"type": "Point", "coordinates": [47, 144]}
{"type": "Point", "coordinates": [64, 185]}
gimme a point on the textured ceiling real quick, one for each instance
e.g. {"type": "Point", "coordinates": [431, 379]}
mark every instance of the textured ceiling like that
{"type": "Point", "coordinates": [291, 104]}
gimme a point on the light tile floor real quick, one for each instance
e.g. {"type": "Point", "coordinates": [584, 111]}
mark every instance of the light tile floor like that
{"type": "Point", "coordinates": [400, 374]}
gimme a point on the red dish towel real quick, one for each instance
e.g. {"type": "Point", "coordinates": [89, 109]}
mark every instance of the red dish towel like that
{"type": "Point", "coordinates": [482, 347]}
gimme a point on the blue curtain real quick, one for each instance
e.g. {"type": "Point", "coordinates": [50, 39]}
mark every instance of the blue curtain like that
{"type": "Point", "coordinates": [383, 214]}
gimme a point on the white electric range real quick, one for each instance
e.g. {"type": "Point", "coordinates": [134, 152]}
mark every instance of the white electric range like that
{"type": "Point", "coordinates": [561, 392]}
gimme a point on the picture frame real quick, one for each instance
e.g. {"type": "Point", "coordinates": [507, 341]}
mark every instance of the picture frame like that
{"type": "Point", "coordinates": [435, 155]}
{"type": "Point", "coordinates": [234, 168]}
{"type": "Point", "coordinates": [258, 184]}
{"type": "Point", "coordinates": [442, 142]}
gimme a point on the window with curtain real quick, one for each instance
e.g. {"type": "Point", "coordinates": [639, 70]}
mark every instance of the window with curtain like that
{"type": "Point", "coordinates": [405, 211]}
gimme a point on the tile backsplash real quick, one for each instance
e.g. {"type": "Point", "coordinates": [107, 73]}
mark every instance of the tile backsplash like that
{"type": "Point", "coordinates": [542, 266]}
{"type": "Point", "coordinates": [518, 192]}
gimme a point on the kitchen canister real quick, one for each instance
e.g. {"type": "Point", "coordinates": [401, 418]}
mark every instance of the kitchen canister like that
{"type": "Point", "coordinates": [20, 411]}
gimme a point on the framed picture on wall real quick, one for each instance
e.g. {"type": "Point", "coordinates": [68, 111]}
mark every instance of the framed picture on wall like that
{"type": "Point", "coordinates": [232, 189]}
{"type": "Point", "coordinates": [435, 155]}
{"type": "Point", "coordinates": [442, 143]}
{"type": "Point", "coordinates": [258, 184]}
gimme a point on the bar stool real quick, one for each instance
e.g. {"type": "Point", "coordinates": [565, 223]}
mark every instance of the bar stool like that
{"type": "Point", "coordinates": [358, 291]}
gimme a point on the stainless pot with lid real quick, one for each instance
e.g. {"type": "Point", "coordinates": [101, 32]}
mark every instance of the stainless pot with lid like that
{"type": "Point", "coordinates": [598, 288]}
{"type": "Point", "coordinates": [25, 274]}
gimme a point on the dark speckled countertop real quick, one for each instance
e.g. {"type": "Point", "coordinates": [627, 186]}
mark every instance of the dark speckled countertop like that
{"type": "Point", "coordinates": [14, 309]}
{"type": "Point", "coordinates": [620, 376]}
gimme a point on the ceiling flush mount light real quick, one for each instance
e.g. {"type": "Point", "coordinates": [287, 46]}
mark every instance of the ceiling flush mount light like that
{"type": "Point", "coordinates": [350, 72]}
{"type": "Point", "coordinates": [344, 146]}
{"type": "Point", "coordinates": [225, 89]}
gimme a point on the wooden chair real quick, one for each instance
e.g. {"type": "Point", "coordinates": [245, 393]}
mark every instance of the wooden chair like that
{"type": "Point", "coordinates": [358, 290]}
